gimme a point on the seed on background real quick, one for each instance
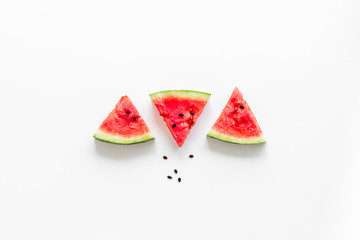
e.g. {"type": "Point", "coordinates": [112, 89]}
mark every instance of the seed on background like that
{"type": "Point", "coordinates": [169, 177]}
{"type": "Point", "coordinates": [165, 157]}
{"type": "Point", "coordinates": [175, 171]}
{"type": "Point", "coordinates": [179, 179]}
{"type": "Point", "coordinates": [191, 156]}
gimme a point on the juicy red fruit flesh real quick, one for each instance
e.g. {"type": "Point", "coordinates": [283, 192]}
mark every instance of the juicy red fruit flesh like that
{"type": "Point", "coordinates": [185, 113]}
{"type": "Point", "coordinates": [237, 119]}
{"type": "Point", "coordinates": [124, 120]}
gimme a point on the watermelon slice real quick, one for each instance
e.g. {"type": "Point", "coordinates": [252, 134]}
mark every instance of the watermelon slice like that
{"type": "Point", "coordinates": [124, 125]}
{"type": "Point", "coordinates": [180, 110]}
{"type": "Point", "coordinates": [237, 123]}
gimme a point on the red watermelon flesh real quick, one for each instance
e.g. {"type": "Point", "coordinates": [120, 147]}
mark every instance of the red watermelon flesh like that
{"type": "Point", "coordinates": [124, 125]}
{"type": "Point", "coordinates": [237, 123]}
{"type": "Point", "coordinates": [180, 110]}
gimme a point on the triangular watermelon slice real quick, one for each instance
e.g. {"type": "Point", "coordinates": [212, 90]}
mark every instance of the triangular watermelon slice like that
{"type": "Point", "coordinates": [237, 123]}
{"type": "Point", "coordinates": [124, 125]}
{"type": "Point", "coordinates": [180, 110]}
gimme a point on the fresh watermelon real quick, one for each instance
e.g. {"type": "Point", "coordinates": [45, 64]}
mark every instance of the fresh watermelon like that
{"type": "Point", "coordinates": [180, 110]}
{"type": "Point", "coordinates": [124, 125]}
{"type": "Point", "coordinates": [237, 123]}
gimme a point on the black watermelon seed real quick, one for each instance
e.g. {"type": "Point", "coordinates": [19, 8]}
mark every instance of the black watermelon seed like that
{"type": "Point", "coordinates": [127, 111]}
{"type": "Point", "coordinates": [169, 177]}
{"type": "Point", "coordinates": [179, 179]}
{"type": "Point", "coordinates": [174, 125]}
{"type": "Point", "coordinates": [192, 113]}
{"type": "Point", "coordinates": [192, 122]}
{"type": "Point", "coordinates": [134, 118]}
{"type": "Point", "coordinates": [191, 156]}
{"type": "Point", "coordinates": [241, 106]}
{"type": "Point", "coordinates": [175, 171]}
{"type": "Point", "coordinates": [165, 157]}
{"type": "Point", "coordinates": [181, 115]}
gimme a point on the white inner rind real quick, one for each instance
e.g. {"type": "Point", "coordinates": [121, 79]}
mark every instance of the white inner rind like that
{"type": "Point", "coordinates": [107, 137]}
{"type": "Point", "coordinates": [254, 140]}
{"type": "Point", "coordinates": [181, 94]}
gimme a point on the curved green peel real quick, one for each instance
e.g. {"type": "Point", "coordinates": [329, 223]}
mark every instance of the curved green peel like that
{"type": "Point", "coordinates": [214, 134]}
{"type": "Point", "coordinates": [103, 136]}
{"type": "Point", "coordinates": [180, 93]}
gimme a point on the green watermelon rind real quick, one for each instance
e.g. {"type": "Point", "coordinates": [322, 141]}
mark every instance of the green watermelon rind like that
{"type": "Point", "coordinates": [111, 138]}
{"type": "Point", "coordinates": [180, 93]}
{"type": "Point", "coordinates": [215, 134]}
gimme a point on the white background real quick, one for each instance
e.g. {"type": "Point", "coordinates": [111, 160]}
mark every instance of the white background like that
{"type": "Point", "coordinates": [65, 64]}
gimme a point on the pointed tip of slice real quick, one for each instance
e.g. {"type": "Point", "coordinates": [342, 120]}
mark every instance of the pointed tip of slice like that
{"type": "Point", "coordinates": [236, 92]}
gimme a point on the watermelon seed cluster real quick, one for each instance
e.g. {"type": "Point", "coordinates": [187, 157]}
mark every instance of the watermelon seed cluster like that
{"type": "Point", "coordinates": [192, 113]}
{"type": "Point", "coordinates": [236, 108]}
{"type": "Point", "coordinates": [175, 170]}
